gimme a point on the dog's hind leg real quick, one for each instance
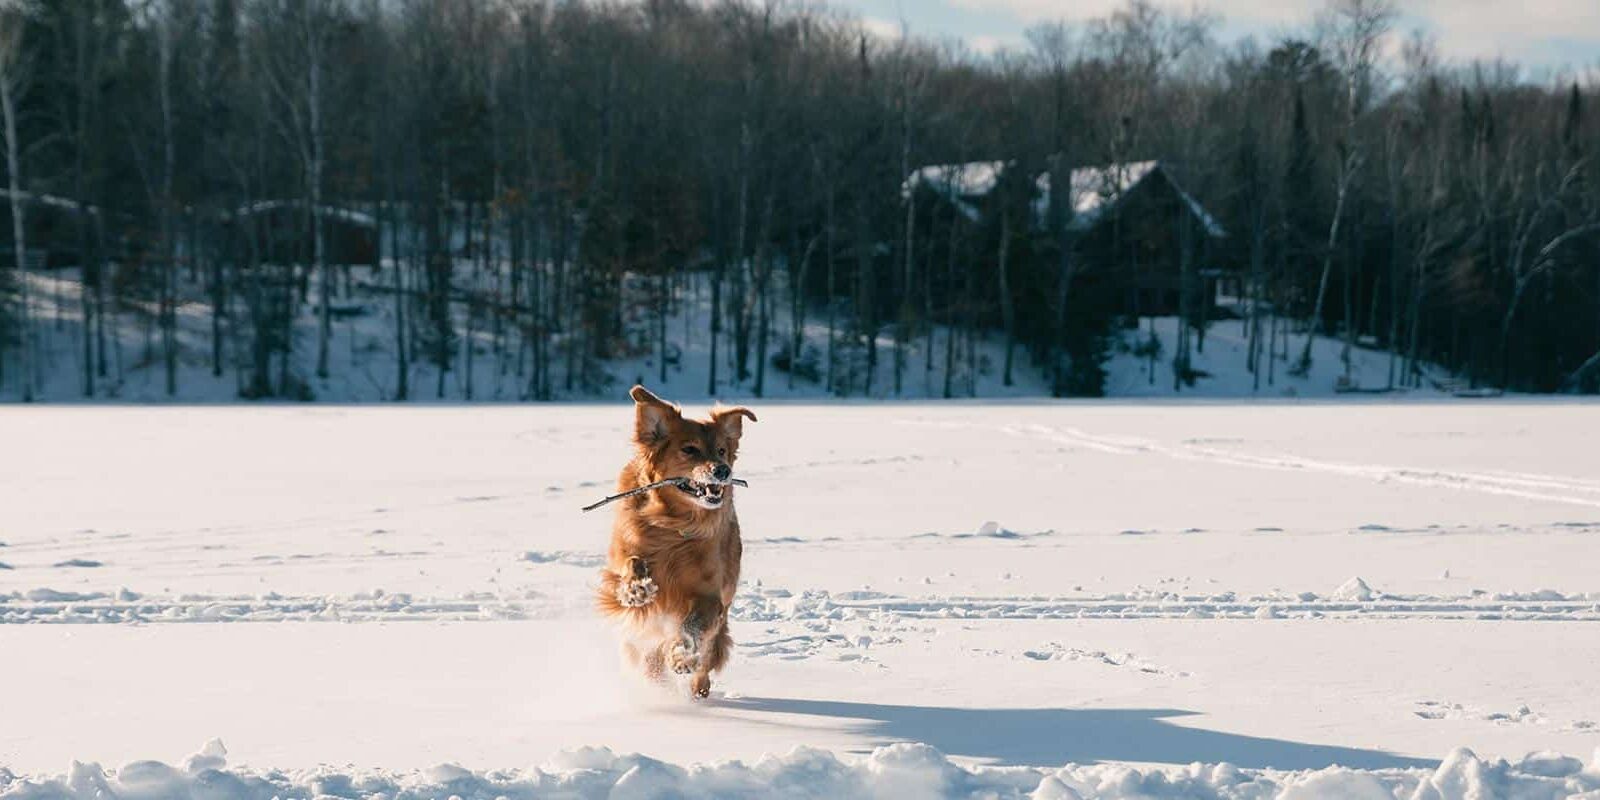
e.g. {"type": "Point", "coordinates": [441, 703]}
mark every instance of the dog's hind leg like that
{"type": "Point", "coordinates": [683, 655]}
{"type": "Point", "coordinates": [702, 645]}
{"type": "Point", "coordinates": [712, 660]}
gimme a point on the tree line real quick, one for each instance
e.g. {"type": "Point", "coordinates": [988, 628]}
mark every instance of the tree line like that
{"type": "Point", "coordinates": [527, 165]}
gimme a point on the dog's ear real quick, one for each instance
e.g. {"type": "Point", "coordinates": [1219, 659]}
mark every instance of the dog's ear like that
{"type": "Point", "coordinates": [652, 416]}
{"type": "Point", "coordinates": [731, 420]}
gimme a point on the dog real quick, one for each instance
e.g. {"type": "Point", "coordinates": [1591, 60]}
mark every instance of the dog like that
{"type": "Point", "coordinates": [673, 563]}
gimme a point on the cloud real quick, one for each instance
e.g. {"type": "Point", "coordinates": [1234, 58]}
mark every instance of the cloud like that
{"type": "Point", "coordinates": [882, 28]}
{"type": "Point", "coordinates": [989, 45]}
{"type": "Point", "coordinates": [1254, 11]}
{"type": "Point", "coordinates": [1539, 33]}
{"type": "Point", "coordinates": [1545, 32]}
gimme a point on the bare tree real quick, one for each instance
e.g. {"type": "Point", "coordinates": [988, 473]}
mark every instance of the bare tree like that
{"type": "Point", "coordinates": [14, 78]}
{"type": "Point", "coordinates": [1525, 264]}
{"type": "Point", "coordinates": [1356, 30]}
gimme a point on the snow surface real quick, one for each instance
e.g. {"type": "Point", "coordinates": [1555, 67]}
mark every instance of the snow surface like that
{"type": "Point", "coordinates": [1135, 599]}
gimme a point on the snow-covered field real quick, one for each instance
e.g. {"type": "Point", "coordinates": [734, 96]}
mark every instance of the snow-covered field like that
{"type": "Point", "coordinates": [1137, 599]}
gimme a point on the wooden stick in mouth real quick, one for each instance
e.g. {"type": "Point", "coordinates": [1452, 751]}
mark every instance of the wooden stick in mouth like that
{"type": "Point", "coordinates": [679, 482]}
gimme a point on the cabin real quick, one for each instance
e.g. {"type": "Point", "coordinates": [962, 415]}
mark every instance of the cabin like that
{"type": "Point", "coordinates": [1130, 226]}
{"type": "Point", "coordinates": [283, 233]}
{"type": "Point", "coordinates": [53, 228]}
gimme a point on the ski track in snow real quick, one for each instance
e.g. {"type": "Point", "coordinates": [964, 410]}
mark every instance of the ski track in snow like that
{"type": "Point", "coordinates": [774, 605]}
{"type": "Point", "coordinates": [1551, 488]}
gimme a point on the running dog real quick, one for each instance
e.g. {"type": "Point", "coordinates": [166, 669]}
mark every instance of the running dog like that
{"type": "Point", "coordinates": [673, 564]}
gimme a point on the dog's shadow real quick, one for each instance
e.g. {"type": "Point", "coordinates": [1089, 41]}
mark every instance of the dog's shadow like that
{"type": "Point", "coordinates": [1055, 736]}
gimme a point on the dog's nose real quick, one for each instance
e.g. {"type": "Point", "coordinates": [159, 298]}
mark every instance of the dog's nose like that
{"type": "Point", "coordinates": [721, 472]}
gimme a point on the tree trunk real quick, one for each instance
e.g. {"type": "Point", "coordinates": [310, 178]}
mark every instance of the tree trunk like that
{"type": "Point", "coordinates": [1505, 331]}
{"type": "Point", "coordinates": [402, 364]}
{"type": "Point", "coordinates": [950, 316]}
{"type": "Point", "coordinates": [169, 208]}
{"type": "Point", "coordinates": [831, 299]}
{"type": "Point", "coordinates": [1008, 312]}
{"type": "Point", "coordinates": [1303, 364]}
{"type": "Point", "coordinates": [318, 248]}
{"type": "Point", "coordinates": [18, 230]}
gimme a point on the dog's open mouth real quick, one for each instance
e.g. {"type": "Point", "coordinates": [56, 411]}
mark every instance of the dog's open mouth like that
{"type": "Point", "coordinates": [709, 494]}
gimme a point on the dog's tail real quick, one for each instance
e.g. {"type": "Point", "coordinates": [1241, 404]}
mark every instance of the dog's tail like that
{"type": "Point", "coordinates": [605, 597]}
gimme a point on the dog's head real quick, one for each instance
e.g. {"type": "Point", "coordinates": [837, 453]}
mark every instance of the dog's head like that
{"type": "Point", "coordinates": [700, 451]}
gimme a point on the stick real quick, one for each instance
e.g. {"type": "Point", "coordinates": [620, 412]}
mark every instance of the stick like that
{"type": "Point", "coordinates": [657, 485]}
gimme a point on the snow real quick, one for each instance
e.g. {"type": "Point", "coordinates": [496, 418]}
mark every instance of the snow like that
{"type": "Point", "coordinates": [893, 771]}
{"type": "Point", "coordinates": [1354, 589]}
{"type": "Point", "coordinates": [348, 215]}
{"type": "Point", "coordinates": [1363, 598]}
{"type": "Point", "coordinates": [1221, 365]}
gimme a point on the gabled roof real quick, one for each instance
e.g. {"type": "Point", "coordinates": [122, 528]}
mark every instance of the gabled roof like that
{"type": "Point", "coordinates": [49, 200]}
{"type": "Point", "coordinates": [1095, 190]}
{"type": "Point", "coordinates": [353, 217]}
{"type": "Point", "coordinates": [961, 184]}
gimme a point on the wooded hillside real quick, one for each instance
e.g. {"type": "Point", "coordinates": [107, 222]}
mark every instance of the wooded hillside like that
{"type": "Point", "coordinates": [513, 165]}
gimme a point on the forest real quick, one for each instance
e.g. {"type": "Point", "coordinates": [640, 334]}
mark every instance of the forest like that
{"type": "Point", "coordinates": [521, 182]}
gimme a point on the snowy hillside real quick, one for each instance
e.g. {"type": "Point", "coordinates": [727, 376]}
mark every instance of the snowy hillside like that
{"type": "Point", "coordinates": [1080, 599]}
{"type": "Point", "coordinates": [362, 363]}
{"type": "Point", "coordinates": [1221, 366]}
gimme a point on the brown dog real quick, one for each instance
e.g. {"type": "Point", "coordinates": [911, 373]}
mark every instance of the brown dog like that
{"type": "Point", "coordinates": [674, 559]}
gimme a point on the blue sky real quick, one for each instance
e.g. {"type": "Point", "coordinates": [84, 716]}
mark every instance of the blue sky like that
{"type": "Point", "coordinates": [1540, 34]}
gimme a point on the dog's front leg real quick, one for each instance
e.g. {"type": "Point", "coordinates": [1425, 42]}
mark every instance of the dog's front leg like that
{"type": "Point", "coordinates": [636, 589]}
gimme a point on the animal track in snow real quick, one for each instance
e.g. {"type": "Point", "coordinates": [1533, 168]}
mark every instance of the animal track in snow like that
{"type": "Point", "coordinates": [1522, 715]}
{"type": "Point", "coordinates": [1055, 651]}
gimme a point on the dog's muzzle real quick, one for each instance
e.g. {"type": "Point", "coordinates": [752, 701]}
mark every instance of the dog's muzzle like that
{"type": "Point", "coordinates": [709, 494]}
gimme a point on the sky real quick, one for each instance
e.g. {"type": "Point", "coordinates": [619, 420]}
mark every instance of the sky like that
{"type": "Point", "coordinates": [1542, 35]}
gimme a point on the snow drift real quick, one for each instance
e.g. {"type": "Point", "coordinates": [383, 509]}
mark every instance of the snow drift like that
{"type": "Point", "coordinates": [896, 771]}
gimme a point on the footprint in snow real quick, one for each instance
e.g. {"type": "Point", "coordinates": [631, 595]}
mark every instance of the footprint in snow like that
{"type": "Point", "coordinates": [78, 562]}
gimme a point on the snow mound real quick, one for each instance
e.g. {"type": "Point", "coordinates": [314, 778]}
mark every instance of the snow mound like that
{"type": "Point", "coordinates": [1354, 590]}
{"type": "Point", "coordinates": [898, 770]}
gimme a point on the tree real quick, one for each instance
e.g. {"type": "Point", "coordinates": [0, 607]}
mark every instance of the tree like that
{"type": "Point", "coordinates": [14, 78]}
{"type": "Point", "coordinates": [1356, 30]}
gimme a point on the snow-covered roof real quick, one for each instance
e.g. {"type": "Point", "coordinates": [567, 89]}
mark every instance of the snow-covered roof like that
{"type": "Point", "coordinates": [49, 200]}
{"type": "Point", "coordinates": [1096, 190]}
{"type": "Point", "coordinates": [327, 212]}
{"type": "Point", "coordinates": [959, 183]}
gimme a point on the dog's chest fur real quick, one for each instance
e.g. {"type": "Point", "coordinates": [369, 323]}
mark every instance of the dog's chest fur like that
{"type": "Point", "coordinates": [696, 556]}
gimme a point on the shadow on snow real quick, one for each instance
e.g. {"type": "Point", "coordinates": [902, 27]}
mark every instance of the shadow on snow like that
{"type": "Point", "coordinates": [1055, 736]}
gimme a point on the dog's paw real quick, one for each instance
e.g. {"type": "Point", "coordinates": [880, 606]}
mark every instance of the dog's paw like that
{"type": "Point", "coordinates": [639, 589]}
{"type": "Point", "coordinates": [684, 657]}
{"type": "Point", "coordinates": [636, 593]}
{"type": "Point", "coordinates": [700, 687]}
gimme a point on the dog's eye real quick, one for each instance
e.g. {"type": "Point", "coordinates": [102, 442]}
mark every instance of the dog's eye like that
{"type": "Point", "coordinates": [722, 451]}
{"type": "Point", "coordinates": [691, 451]}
